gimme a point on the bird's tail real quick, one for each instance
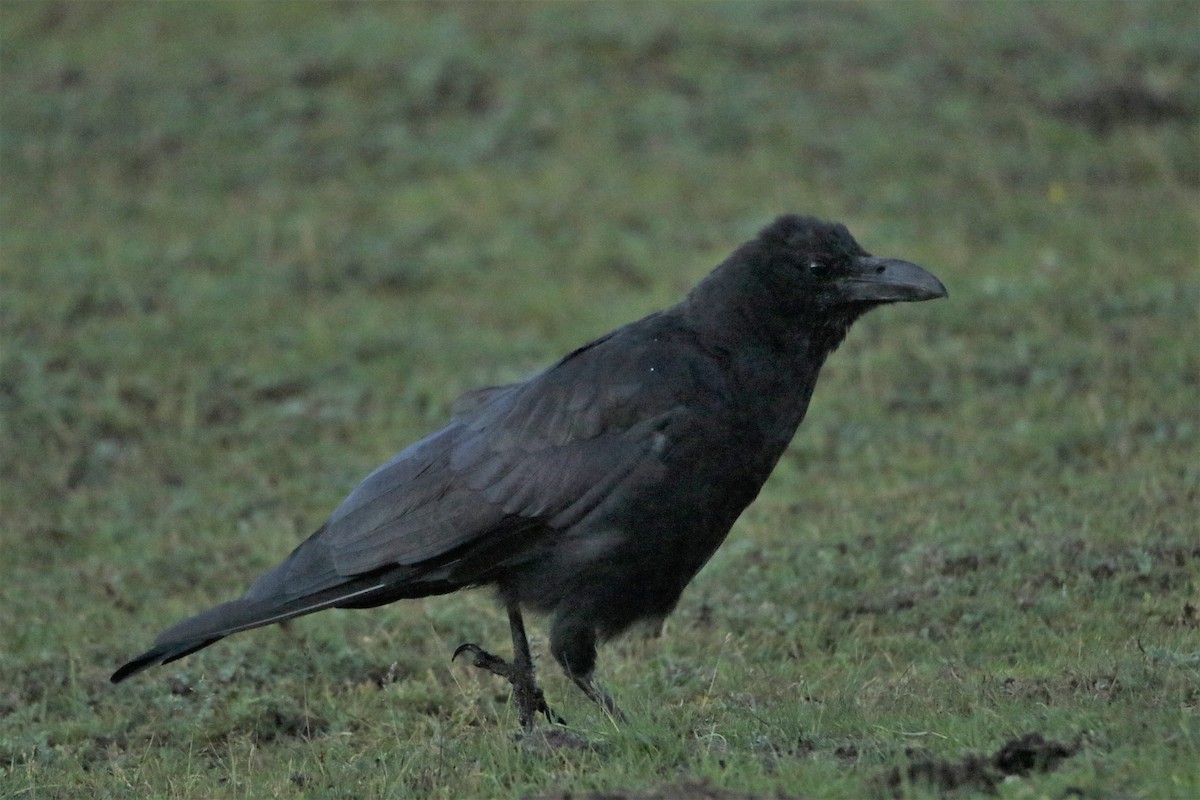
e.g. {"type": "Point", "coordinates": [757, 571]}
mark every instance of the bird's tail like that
{"type": "Point", "coordinates": [159, 654]}
{"type": "Point", "coordinates": [216, 623]}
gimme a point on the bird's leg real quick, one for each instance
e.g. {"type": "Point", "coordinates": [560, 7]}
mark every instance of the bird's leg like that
{"type": "Point", "coordinates": [527, 695]}
{"type": "Point", "coordinates": [599, 696]}
{"type": "Point", "coordinates": [573, 643]}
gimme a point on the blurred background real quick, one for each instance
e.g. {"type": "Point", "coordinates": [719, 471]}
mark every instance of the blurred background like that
{"type": "Point", "coordinates": [249, 251]}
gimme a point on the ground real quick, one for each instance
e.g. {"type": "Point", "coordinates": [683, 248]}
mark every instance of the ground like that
{"type": "Point", "coordinates": [249, 251]}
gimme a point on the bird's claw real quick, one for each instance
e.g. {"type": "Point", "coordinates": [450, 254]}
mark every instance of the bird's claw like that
{"type": "Point", "coordinates": [527, 695]}
{"type": "Point", "coordinates": [484, 660]}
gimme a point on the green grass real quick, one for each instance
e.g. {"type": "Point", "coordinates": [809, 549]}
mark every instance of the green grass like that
{"type": "Point", "coordinates": [250, 251]}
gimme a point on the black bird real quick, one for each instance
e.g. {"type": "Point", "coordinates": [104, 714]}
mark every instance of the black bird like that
{"type": "Point", "coordinates": [595, 490]}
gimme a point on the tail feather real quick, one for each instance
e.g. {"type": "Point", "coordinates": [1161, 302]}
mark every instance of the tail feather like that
{"type": "Point", "coordinates": [159, 655]}
{"type": "Point", "coordinates": [216, 623]}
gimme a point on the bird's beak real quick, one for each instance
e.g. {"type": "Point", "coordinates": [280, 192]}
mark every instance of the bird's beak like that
{"type": "Point", "coordinates": [889, 280]}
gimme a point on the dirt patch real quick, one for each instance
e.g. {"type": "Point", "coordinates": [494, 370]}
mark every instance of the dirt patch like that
{"type": "Point", "coordinates": [1106, 106]}
{"type": "Point", "coordinates": [1165, 566]}
{"type": "Point", "coordinates": [1032, 753]}
{"type": "Point", "coordinates": [684, 790]}
{"type": "Point", "coordinates": [546, 739]}
{"type": "Point", "coordinates": [279, 723]}
{"type": "Point", "coordinates": [1189, 617]}
{"type": "Point", "coordinates": [973, 772]}
{"type": "Point", "coordinates": [276, 723]}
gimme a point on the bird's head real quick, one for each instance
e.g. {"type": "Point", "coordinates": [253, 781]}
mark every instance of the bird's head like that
{"type": "Point", "coordinates": [820, 266]}
{"type": "Point", "coordinates": [803, 277]}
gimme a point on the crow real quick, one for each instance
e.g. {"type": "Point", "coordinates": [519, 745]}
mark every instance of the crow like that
{"type": "Point", "coordinates": [595, 490]}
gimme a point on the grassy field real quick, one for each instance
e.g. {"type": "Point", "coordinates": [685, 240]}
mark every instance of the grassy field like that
{"type": "Point", "coordinates": [249, 251]}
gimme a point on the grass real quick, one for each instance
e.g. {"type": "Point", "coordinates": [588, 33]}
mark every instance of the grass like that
{"type": "Point", "coordinates": [249, 251]}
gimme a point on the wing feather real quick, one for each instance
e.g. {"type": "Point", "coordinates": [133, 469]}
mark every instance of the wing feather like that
{"type": "Point", "coordinates": [521, 460]}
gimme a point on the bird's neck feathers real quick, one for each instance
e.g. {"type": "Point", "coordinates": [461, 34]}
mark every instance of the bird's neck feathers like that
{"type": "Point", "coordinates": [734, 304]}
{"type": "Point", "coordinates": [828, 331]}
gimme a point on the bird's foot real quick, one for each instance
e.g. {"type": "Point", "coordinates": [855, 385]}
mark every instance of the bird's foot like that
{"type": "Point", "coordinates": [483, 659]}
{"type": "Point", "coordinates": [527, 695]}
{"type": "Point", "coordinates": [600, 697]}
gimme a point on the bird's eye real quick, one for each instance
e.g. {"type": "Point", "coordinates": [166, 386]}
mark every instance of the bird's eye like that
{"type": "Point", "coordinates": [818, 269]}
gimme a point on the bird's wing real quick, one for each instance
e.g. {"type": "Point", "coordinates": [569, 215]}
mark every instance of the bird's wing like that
{"type": "Point", "coordinates": [535, 455]}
